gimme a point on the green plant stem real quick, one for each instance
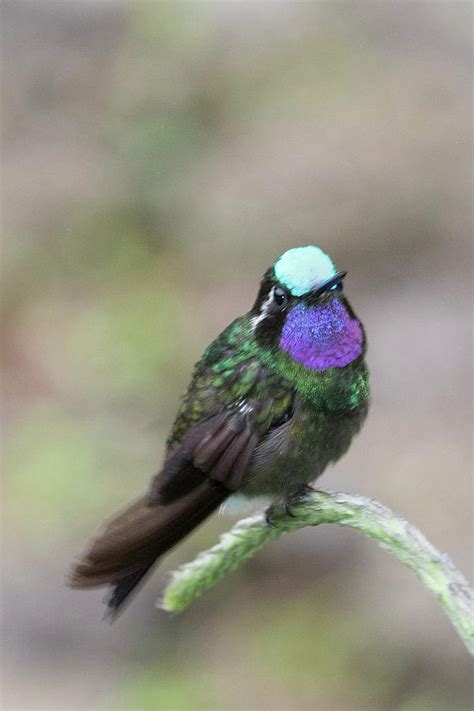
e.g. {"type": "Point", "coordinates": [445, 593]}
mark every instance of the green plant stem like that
{"type": "Point", "coordinates": [391, 531]}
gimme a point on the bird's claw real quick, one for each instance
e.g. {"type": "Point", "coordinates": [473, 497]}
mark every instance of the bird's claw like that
{"type": "Point", "coordinates": [268, 517]}
{"type": "Point", "coordinates": [293, 500]}
{"type": "Point", "coordinates": [297, 498]}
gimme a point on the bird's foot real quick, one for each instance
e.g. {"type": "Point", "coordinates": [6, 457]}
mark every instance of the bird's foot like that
{"type": "Point", "coordinates": [269, 516]}
{"type": "Point", "coordinates": [297, 497]}
{"type": "Point", "coordinates": [276, 510]}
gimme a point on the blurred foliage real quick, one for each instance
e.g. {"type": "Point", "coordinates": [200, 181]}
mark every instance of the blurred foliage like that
{"type": "Point", "coordinates": [170, 689]}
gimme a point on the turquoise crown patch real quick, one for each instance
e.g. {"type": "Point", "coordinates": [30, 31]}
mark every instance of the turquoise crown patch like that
{"type": "Point", "coordinates": [303, 269]}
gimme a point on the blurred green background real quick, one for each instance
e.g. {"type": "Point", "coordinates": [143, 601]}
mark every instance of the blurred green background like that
{"type": "Point", "coordinates": [158, 156]}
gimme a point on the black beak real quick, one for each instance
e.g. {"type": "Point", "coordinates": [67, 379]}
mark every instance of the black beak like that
{"type": "Point", "coordinates": [336, 280]}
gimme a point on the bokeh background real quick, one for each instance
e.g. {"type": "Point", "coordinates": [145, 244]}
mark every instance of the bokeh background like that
{"type": "Point", "coordinates": [158, 156]}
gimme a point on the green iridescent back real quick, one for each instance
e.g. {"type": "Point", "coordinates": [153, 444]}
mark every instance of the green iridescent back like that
{"type": "Point", "coordinates": [231, 374]}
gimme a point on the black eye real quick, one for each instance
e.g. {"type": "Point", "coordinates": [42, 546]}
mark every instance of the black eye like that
{"type": "Point", "coordinates": [280, 297]}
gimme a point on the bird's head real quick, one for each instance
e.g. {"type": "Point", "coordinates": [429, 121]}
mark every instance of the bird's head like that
{"type": "Point", "coordinates": [301, 310]}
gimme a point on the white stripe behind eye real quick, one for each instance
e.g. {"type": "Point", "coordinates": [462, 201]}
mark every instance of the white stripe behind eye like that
{"type": "Point", "coordinates": [264, 309]}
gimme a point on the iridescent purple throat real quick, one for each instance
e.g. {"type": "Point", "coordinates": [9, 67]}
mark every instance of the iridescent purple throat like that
{"type": "Point", "coordinates": [322, 337]}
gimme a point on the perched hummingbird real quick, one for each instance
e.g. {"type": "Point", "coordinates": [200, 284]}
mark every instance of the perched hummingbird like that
{"type": "Point", "coordinates": [275, 398]}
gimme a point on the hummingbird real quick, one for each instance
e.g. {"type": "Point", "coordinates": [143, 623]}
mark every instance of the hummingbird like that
{"type": "Point", "coordinates": [274, 399]}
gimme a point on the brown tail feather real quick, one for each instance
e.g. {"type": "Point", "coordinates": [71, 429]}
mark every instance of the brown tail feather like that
{"type": "Point", "coordinates": [136, 537]}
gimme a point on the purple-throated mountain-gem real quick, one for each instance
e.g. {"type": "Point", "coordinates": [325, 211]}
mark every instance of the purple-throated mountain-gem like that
{"type": "Point", "coordinates": [275, 398]}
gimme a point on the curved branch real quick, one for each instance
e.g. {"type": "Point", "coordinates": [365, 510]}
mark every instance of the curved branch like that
{"type": "Point", "coordinates": [390, 531]}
